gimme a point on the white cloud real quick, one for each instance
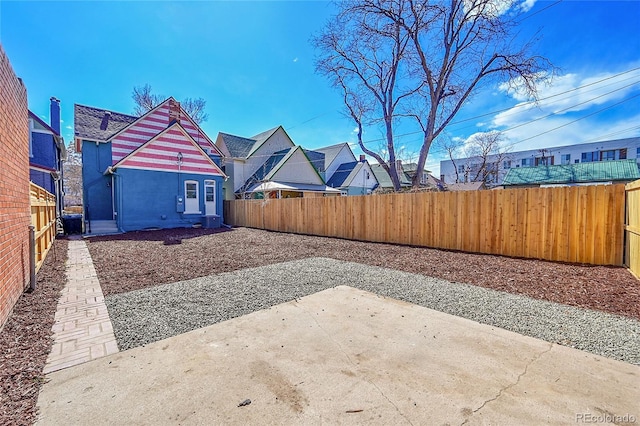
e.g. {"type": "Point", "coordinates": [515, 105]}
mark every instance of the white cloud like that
{"type": "Point", "coordinates": [567, 94]}
{"type": "Point", "coordinates": [355, 130]}
{"type": "Point", "coordinates": [295, 59]}
{"type": "Point", "coordinates": [493, 8]}
{"type": "Point", "coordinates": [69, 127]}
{"type": "Point", "coordinates": [526, 5]}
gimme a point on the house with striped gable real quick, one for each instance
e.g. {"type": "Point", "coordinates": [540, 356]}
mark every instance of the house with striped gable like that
{"type": "Point", "coordinates": [270, 165]}
{"type": "Point", "coordinates": [159, 170]}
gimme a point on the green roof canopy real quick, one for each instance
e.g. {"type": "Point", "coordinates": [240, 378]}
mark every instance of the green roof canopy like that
{"type": "Point", "coordinates": [597, 171]}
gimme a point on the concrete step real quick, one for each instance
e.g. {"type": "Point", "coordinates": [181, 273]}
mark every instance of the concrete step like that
{"type": "Point", "coordinates": [102, 227]}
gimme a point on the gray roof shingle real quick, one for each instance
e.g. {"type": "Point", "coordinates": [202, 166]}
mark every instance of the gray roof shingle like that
{"type": "Point", "coordinates": [238, 146]}
{"type": "Point", "coordinates": [341, 174]}
{"type": "Point", "coordinates": [98, 124]}
{"type": "Point", "coordinates": [384, 180]}
{"type": "Point", "coordinates": [316, 158]}
{"type": "Point", "coordinates": [331, 152]}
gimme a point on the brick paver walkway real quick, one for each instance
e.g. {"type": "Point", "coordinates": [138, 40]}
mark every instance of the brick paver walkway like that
{"type": "Point", "coordinates": [82, 329]}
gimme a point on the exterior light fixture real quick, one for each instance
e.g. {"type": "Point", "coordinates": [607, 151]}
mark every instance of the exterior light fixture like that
{"type": "Point", "coordinates": [180, 157]}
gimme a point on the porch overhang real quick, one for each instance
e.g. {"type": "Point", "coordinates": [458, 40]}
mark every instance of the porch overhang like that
{"type": "Point", "coordinates": [288, 186]}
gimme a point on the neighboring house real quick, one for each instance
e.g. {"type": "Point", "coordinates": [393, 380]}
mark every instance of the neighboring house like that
{"type": "Point", "coordinates": [46, 153]}
{"type": "Point", "coordinates": [384, 180]}
{"type": "Point", "coordinates": [600, 172]}
{"type": "Point", "coordinates": [412, 168]}
{"type": "Point", "coordinates": [155, 171]}
{"type": "Point", "coordinates": [345, 173]}
{"type": "Point", "coordinates": [354, 178]}
{"type": "Point", "coordinates": [611, 150]}
{"type": "Point", "coordinates": [466, 186]}
{"type": "Point", "coordinates": [270, 165]}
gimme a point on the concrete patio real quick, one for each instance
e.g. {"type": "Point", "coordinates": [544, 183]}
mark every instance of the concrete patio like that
{"type": "Point", "coordinates": [345, 356]}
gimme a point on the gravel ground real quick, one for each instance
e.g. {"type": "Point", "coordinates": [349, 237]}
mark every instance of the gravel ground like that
{"type": "Point", "coordinates": [25, 341]}
{"type": "Point", "coordinates": [144, 259]}
{"type": "Point", "coordinates": [155, 313]}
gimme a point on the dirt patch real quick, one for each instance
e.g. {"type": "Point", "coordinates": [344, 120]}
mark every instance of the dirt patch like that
{"type": "Point", "coordinates": [141, 259]}
{"type": "Point", "coordinates": [25, 341]}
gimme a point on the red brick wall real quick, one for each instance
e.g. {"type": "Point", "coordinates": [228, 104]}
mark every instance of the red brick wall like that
{"type": "Point", "coordinates": [15, 216]}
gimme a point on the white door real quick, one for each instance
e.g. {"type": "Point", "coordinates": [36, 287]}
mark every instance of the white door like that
{"type": "Point", "coordinates": [210, 197]}
{"type": "Point", "coordinates": [191, 197]}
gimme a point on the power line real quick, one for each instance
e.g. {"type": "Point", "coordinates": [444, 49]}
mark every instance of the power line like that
{"type": "Point", "coordinates": [568, 108]}
{"type": "Point", "coordinates": [578, 119]}
{"type": "Point", "coordinates": [541, 10]}
{"type": "Point", "coordinates": [549, 97]}
{"type": "Point", "coordinates": [517, 106]}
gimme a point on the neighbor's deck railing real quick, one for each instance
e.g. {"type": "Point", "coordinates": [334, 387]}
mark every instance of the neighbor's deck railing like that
{"type": "Point", "coordinates": [583, 224]}
{"type": "Point", "coordinates": [43, 219]}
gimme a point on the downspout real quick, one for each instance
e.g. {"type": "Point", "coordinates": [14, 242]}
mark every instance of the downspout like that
{"type": "Point", "coordinates": [117, 217]}
{"type": "Point", "coordinates": [113, 200]}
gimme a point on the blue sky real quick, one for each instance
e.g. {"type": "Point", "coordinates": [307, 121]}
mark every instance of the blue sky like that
{"type": "Point", "coordinates": [253, 63]}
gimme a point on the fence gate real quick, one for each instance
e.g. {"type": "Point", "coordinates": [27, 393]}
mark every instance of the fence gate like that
{"type": "Point", "coordinates": [43, 219]}
{"type": "Point", "coordinates": [632, 228]}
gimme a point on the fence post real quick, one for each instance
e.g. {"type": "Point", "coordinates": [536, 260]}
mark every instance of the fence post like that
{"type": "Point", "coordinates": [32, 258]}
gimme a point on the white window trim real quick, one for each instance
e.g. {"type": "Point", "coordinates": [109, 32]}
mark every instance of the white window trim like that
{"type": "Point", "coordinates": [213, 184]}
{"type": "Point", "coordinates": [197, 197]}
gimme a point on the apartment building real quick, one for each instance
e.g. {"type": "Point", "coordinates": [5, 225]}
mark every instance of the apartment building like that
{"type": "Point", "coordinates": [493, 168]}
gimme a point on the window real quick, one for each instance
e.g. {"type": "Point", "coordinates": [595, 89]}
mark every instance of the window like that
{"type": "Point", "coordinates": [506, 164]}
{"type": "Point", "coordinates": [608, 155]}
{"type": "Point", "coordinates": [623, 154]}
{"type": "Point", "coordinates": [461, 168]}
{"type": "Point", "coordinates": [544, 161]}
{"type": "Point", "coordinates": [527, 162]}
{"type": "Point", "coordinates": [192, 190]}
{"type": "Point", "coordinates": [565, 159]}
{"type": "Point", "coordinates": [588, 157]}
{"type": "Point", "coordinates": [637, 152]}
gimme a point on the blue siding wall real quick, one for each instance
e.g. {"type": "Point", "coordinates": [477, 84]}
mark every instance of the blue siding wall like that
{"type": "Point", "coordinates": [43, 179]}
{"type": "Point", "coordinates": [44, 151]}
{"type": "Point", "coordinates": [356, 190]}
{"type": "Point", "coordinates": [96, 187]}
{"type": "Point", "coordinates": [147, 199]}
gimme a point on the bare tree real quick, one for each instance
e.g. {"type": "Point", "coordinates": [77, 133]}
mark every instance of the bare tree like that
{"type": "Point", "coordinates": [436, 54]}
{"type": "Point", "coordinates": [72, 171]}
{"type": "Point", "coordinates": [363, 56]}
{"type": "Point", "coordinates": [145, 101]}
{"type": "Point", "coordinates": [195, 109]}
{"type": "Point", "coordinates": [480, 158]}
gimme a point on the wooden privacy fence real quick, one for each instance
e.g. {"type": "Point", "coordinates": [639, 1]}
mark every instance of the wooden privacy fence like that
{"type": "Point", "coordinates": [43, 219]}
{"type": "Point", "coordinates": [583, 224]}
{"type": "Point", "coordinates": [632, 249]}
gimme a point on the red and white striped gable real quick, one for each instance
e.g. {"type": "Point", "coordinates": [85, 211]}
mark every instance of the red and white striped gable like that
{"type": "Point", "coordinates": [161, 154]}
{"type": "Point", "coordinates": [154, 122]}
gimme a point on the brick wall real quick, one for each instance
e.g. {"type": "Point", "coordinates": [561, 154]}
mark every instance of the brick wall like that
{"type": "Point", "coordinates": [14, 188]}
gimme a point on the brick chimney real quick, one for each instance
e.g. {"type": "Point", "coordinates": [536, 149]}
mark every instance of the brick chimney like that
{"type": "Point", "coordinates": [54, 116]}
{"type": "Point", "coordinates": [362, 158]}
